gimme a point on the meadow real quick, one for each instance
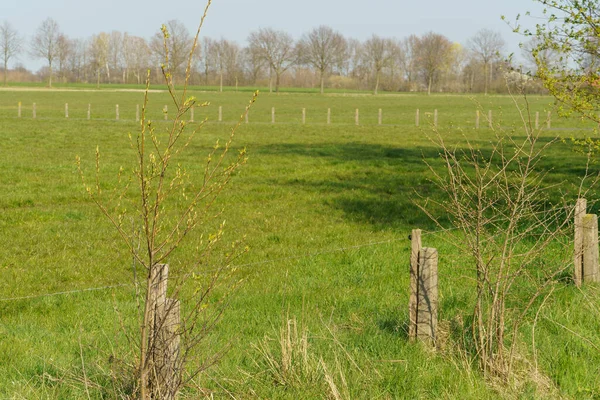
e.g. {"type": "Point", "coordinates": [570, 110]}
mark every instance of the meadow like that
{"type": "Point", "coordinates": [325, 210]}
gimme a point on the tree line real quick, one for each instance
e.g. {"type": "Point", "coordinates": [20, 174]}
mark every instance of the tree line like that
{"type": "Point", "coordinates": [322, 58]}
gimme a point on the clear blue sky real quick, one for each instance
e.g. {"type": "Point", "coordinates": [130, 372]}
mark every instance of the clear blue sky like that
{"type": "Point", "coordinates": [234, 19]}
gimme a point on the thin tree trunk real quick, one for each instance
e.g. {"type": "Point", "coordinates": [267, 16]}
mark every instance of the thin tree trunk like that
{"type": "Point", "coordinates": [376, 82]}
{"type": "Point", "coordinates": [429, 85]}
{"type": "Point", "coordinates": [322, 77]}
{"type": "Point", "coordinates": [5, 70]}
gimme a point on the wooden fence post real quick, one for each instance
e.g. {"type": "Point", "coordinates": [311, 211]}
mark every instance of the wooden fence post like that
{"type": "Point", "coordinates": [427, 295]}
{"type": "Point", "coordinates": [435, 119]}
{"type": "Point", "coordinates": [137, 113]}
{"type": "Point", "coordinates": [192, 114]}
{"type": "Point", "coordinates": [423, 300]}
{"type": "Point", "coordinates": [66, 110]}
{"type": "Point", "coordinates": [356, 121]}
{"type": "Point", "coordinates": [34, 111]}
{"type": "Point", "coordinates": [303, 116]}
{"type": "Point", "coordinates": [117, 112]}
{"type": "Point", "coordinates": [580, 212]}
{"type": "Point", "coordinates": [220, 113]}
{"type": "Point", "coordinates": [246, 117]}
{"type": "Point", "coordinates": [380, 117]}
{"type": "Point", "coordinates": [549, 120]}
{"type": "Point", "coordinates": [590, 248]}
{"type": "Point", "coordinates": [537, 120]}
{"type": "Point", "coordinates": [89, 112]}
{"type": "Point", "coordinates": [415, 245]}
{"type": "Point", "coordinates": [477, 119]}
{"type": "Point", "coordinates": [166, 112]}
{"type": "Point", "coordinates": [272, 115]}
{"type": "Point", "coordinates": [19, 110]}
{"type": "Point", "coordinates": [164, 338]}
{"type": "Point", "coordinates": [328, 116]}
{"type": "Point", "coordinates": [417, 118]}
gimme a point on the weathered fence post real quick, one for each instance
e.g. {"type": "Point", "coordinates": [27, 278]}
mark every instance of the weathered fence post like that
{"type": "Point", "coordinates": [590, 248]}
{"type": "Point", "coordinates": [137, 113]}
{"type": "Point", "coordinates": [34, 111]}
{"type": "Point", "coordinates": [19, 110]}
{"type": "Point", "coordinates": [549, 120]}
{"type": "Point", "coordinates": [220, 113]}
{"type": "Point", "coordinates": [423, 300]}
{"type": "Point", "coordinates": [246, 117]}
{"type": "Point", "coordinates": [328, 116]}
{"type": "Point", "coordinates": [272, 115]}
{"type": "Point", "coordinates": [580, 211]}
{"type": "Point", "coordinates": [303, 116]}
{"type": "Point", "coordinates": [192, 114]}
{"type": "Point", "coordinates": [66, 110]}
{"type": "Point", "coordinates": [477, 119]}
{"type": "Point", "coordinates": [380, 117]}
{"type": "Point", "coordinates": [490, 119]}
{"type": "Point", "coordinates": [356, 121]}
{"type": "Point", "coordinates": [166, 112]}
{"type": "Point", "coordinates": [537, 120]}
{"type": "Point", "coordinates": [89, 112]}
{"type": "Point", "coordinates": [164, 339]}
{"type": "Point", "coordinates": [415, 246]}
{"type": "Point", "coordinates": [435, 119]}
{"type": "Point", "coordinates": [417, 118]}
{"type": "Point", "coordinates": [117, 112]}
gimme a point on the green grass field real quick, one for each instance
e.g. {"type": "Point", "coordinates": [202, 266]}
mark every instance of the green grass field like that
{"type": "Point", "coordinates": [325, 210]}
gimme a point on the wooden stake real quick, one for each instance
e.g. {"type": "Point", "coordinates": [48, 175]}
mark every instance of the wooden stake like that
{"type": "Point", "coordinates": [246, 117]}
{"type": "Point", "coordinates": [580, 212]}
{"type": "Point", "coordinates": [166, 112]}
{"type": "Point", "coordinates": [19, 110]}
{"type": "Point", "coordinates": [417, 118]}
{"type": "Point", "coordinates": [89, 112]}
{"type": "Point", "coordinates": [328, 116]}
{"type": "Point", "coordinates": [435, 118]}
{"type": "Point", "coordinates": [356, 122]}
{"type": "Point", "coordinates": [427, 295]}
{"type": "Point", "coordinates": [117, 112]}
{"type": "Point", "coordinates": [272, 115]}
{"type": "Point", "coordinates": [303, 116]}
{"type": "Point", "coordinates": [537, 120]}
{"type": "Point", "coordinates": [66, 110]}
{"type": "Point", "coordinates": [477, 119]}
{"type": "Point", "coordinates": [415, 241]}
{"type": "Point", "coordinates": [380, 117]}
{"type": "Point", "coordinates": [137, 113]}
{"type": "Point", "coordinates": [34, 111]}
{"type": "Point", "coordinates": [192, 114]}
{"type": "Point", "coordinates": [220, 113]}
{"type": "Point", "coordinates": [549, 120]}
{"type": "Point", "coordinates": [590, 248]}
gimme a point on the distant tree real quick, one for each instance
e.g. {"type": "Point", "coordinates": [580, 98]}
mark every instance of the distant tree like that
{"type": "Point", "coordinates": [276, 48]}
{"type": "Point", "coordinates": [223, 56]}
{"type": "Point", "coordinates": [64, 48]}
{"type": "Point", "coordinates": [45, 44]}
{"type": "Point", "coordinates": [378, 54]}
{"type": "Point", "coordinates": [486, 45]}
{"type": "Point", "coordinates": [10, 45]}
{"type": "Point", "coordinates": [99, 55]}
{"type": "Point", "coordinates": [432, 56]}
{"type": "Point", "coordinates": [409, 60]}
{"type": "Point", "coordinates": [253, 63]}
{"type": "Point", "coordinates": [322, 48]}
{"type": "Point", "coordinates": [179, 43]}
{"type": "Point", "coordinates": [136, 56]}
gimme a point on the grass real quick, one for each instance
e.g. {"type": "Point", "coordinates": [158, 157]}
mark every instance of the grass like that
{"type": "Point", "coordinates": [326, 211]}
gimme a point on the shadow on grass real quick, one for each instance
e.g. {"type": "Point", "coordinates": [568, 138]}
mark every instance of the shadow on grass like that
{"type": "Point", "coordinates": [382, 184]}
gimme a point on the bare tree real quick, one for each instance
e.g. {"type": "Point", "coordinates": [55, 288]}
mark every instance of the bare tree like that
{"type": "Point", "coordinates": [45, 43]}
{"type": "Point", "coordinates": [433, 53]}
{"type": "Point", "coordinates": [378, 54]}
{"type": "Point", "coordinates": [64, 49]}
{"type": "Point", "coordinates": [322, 48]}
{"type": "Point", "coordinates": [10, 45]}
{"type": "Point", "coordinates": [409, 60]}
{"type": "Point", "coordinates": [276, 48]}
{"type": "Point", "coordinates": [136, 55]}
{"type": "Point", "coordinates": [99, 55]}
{"type": "Point", "coordinates": [253, 63]}
{"type": "Point", "coordinates": [179, 42]}
{"type": "Point", "coordinates": [486, 45]}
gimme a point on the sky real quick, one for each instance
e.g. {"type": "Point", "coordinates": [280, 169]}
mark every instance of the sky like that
{"type": "Point", "coordinates": [235, 19]}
